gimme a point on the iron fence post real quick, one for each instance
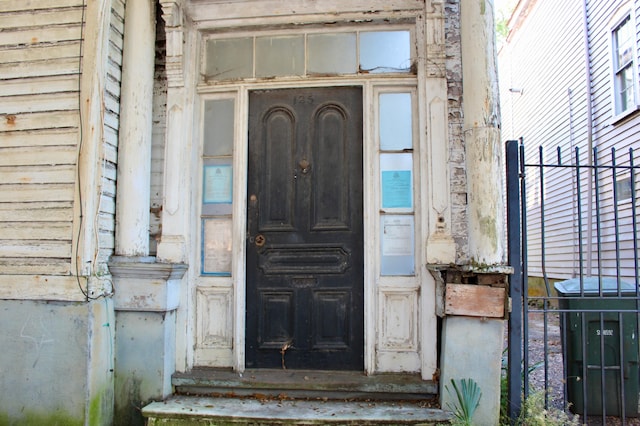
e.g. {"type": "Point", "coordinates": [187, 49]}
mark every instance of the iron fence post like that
{"type": "Point", "coordinates": [514, 372]}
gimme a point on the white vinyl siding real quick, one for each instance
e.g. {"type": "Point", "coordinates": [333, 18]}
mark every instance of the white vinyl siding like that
{"type": "Point", "coordinates": [608, 134]}
{"type": "Point", "coordinates": [546, 58]}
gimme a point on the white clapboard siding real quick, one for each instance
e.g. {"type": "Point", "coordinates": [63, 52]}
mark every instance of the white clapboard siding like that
{"type": "Point", "coordinates": [62, 66]}
{"type": "Point", "coordinates": [39, 120]}
{"type": "Point", "coordinates": [40, 103]}
{"type": "Point", "coordinates": [36, 212]}
{"type": "Point", "coordinates": [23, 266]}
{"type": "Point", "coordinates": [36, 5]}
{"type": "Point", "coordinates": [36, 193]}
{"type": "Point", "coordinates": [39, 138]}
{"type": "Point", "coordinates": [34, 248]}
{"type": "Point", "coordinates": [27, 18]}
{"type": "Point", "coordinates": [42, 85]}
{"type": "Point", "coordinates": [42, 231]}
{"type": "Point", "coordinates": [46, 155]}
{"type": "Point", "coordinates": [40, 48]}
{"type": "Point", "coordinates": [13, 55]}
{"type": "Point", "coordinates": [38, 174]}
{"type": "Point", "coordinates": [34, 36]}
{"type": "Point", "coordinates": [546, 58]}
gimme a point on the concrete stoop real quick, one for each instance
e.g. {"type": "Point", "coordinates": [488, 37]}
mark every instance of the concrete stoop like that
{"type": "Point", "coordinates": [296, 397]}
{"type": "Point", "coordinates": [183, 410]}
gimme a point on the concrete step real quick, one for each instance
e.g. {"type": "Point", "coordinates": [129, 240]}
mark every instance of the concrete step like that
{"type": "Point", "coordinates": [305, 384]}
{"type": "Point", "coordinates": [183, 410]}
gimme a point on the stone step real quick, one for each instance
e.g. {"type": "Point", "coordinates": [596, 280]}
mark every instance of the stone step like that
{"type": "Point", "coordinates": [305, 384]}
{"type": "Point", "coordinates": [183, 410]}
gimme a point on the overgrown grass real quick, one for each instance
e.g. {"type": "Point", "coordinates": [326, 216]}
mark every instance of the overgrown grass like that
{"type": "Point", "coordinates": [533, 411]}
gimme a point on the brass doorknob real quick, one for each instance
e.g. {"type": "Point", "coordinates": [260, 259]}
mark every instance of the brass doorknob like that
{"type": "Point", "coordinates": [304, 165]}
{"type": "Point", "coordinates": [260, 240]}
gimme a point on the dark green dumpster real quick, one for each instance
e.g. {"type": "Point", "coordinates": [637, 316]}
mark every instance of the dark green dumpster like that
{"type": "Point", "coordinates": [615, 327]}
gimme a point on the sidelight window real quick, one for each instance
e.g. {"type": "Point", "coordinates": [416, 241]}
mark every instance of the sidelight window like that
{"type": "Point", "coordinates": [217, 187]}
{"type": "Point", "coordinates": [397, 217]}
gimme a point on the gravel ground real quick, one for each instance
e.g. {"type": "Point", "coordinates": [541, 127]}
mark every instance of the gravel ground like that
{"type": "Point", "coordinates": [554, 366]}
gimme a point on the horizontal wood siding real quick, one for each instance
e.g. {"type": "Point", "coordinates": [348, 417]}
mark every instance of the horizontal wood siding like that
{"type": "Point", "coordinates": [157, 143]}
{"type": "Point", "coordinates": [107, 210]}
{"type": "Point", "coordinates": [39, 70]}
{"type": "Point", "coordinates": [40, 62]}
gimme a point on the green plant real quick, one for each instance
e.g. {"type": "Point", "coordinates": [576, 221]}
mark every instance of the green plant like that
{"type": "Point", "coordinates": [504, 386]}
{"type": "Point", "coordinates": [535, 414]}
{"type": "Point", "coordinates": [468, 396]}
{"type": "Point", "coordinates": [533, 411]}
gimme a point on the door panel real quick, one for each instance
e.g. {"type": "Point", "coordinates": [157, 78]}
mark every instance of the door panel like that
{"type": "Point", "coordinates": [305, 234]}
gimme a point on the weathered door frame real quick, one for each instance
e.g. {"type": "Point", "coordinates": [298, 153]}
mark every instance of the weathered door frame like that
{"type": "Point", "coordinates": [414, 351]}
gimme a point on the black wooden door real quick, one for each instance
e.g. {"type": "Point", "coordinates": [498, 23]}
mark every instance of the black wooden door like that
{"type": "Point", "coordinates": [305, 233]}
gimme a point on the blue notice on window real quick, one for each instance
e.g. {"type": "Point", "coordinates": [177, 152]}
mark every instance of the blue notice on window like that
{"type": "Point", "coordinates": [396, 189]}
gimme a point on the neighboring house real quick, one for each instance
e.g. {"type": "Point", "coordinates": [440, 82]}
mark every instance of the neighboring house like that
{"type": "Point", "coordinates": [204, 183]}
{"type": "Point", "coordinates": [569, 79]}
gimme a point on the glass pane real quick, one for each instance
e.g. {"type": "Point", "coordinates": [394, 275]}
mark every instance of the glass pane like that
{"type": "Point", "coordinates": [277, 56]}
{"type": "Point", "coordinates": [229, 59]}
{"type": "Point", "coordinates": [625, 88]}
{"type": "Point", "coordinates": [396, 175]}
{"type": "Point", "coordinates": [395, 121]}
{"type": "Point", "coordinates": [624, 43]}
{"type": "Point", "coordinates": [385, 51]}
{"type": "Point", "coordinates": [623, 188]}
{"type": "Point", "coordinates": [218, 127]}
{"type": "Point", "coordinates": [332, 53]}
{"type": "Point", "coordinates": [216, 246]}
{"type": "Point", "coordinates": [397, 245]}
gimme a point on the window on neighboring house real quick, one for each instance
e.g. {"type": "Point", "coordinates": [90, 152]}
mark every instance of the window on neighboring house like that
{"type": "Point", "coordinates": [623, 67]}
{"type": "Point", "coordinates": [623, 188]}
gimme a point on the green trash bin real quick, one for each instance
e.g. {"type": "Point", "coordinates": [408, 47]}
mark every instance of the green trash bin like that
{"type": "Point", "coordinates": [610, 332]}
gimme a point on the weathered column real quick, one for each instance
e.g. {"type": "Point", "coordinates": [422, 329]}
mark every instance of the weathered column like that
{"type": "Point", "coordinates": [482, 135]}
{"type": "Point", "coordinates": [473, 325]}
{"type": "Point", "coordinates": [134, 145]}
{"type": "Point", "coordinates": [147, 292]}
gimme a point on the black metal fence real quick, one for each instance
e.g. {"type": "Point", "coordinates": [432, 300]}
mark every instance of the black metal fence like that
{"type": "Point", "coordinates": [573, 229]}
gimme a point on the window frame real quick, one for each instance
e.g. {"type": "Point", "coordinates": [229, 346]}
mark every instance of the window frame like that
{"type": "Point", "coordinates": [617, 70]}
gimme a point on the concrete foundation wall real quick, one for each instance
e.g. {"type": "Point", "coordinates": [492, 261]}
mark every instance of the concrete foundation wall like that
{"type": "Point", "coordinates": [145, 359]}
{"type": "Point", "coordinates": [55, 362]}
{"type": "Point", "coordinates": [472, 349]}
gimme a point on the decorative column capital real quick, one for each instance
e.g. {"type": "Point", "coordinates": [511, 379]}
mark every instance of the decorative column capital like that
{"type": "Point", "coordinates": [173, 16]}
{"type": "Point", "coordinates": [435, 38]}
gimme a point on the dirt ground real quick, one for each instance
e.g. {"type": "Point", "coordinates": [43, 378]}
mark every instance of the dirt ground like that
{"type": "Point", "coordinates": [552, 370]}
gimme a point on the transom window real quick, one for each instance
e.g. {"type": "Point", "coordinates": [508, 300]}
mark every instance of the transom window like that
{"type": "Point", "coordinates": [623, 67]}
{"type": "Point", "coordinates": [308, 55]}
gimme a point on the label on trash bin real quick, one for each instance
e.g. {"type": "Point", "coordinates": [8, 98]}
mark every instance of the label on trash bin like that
{"type": "Point", "coordinates": [604, 332]}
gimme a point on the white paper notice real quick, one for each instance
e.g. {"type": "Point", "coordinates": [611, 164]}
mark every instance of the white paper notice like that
{"type": "Point", "coordinates": [397, 236]}
{"type": "Point", "coordinates": [217, 246]}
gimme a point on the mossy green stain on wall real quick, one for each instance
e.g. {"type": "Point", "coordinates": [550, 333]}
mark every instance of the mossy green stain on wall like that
{"type": "Point", "coordinates": [34, 418]}
{"type": "Point", "coordinates": [488, 228]}
{"type": "Point", "coordinates": [100, 409]}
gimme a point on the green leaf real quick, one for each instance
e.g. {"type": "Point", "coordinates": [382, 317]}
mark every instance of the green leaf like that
{"type": "Point", "coordinates": [468, 395]}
